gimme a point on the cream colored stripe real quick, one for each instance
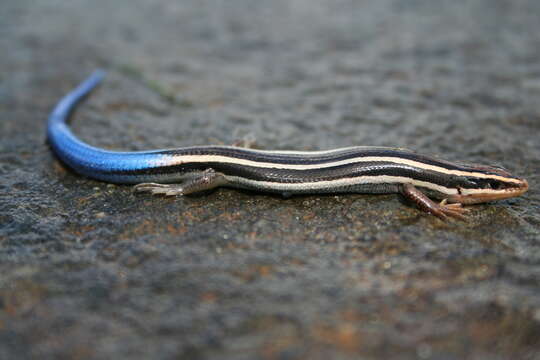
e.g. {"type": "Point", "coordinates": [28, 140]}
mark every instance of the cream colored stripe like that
{"type": "Point", "coordinates": [359, 180]}
{"type": "Point", "coordinates": [482, 191]}
{"type": "Point", "coordinates": [168, 160]}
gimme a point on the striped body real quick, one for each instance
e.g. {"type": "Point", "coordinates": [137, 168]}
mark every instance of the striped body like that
{"type": "Point", "coordinates": [354, 169]}
{"type": "Point", "coordinates": [358, 169]}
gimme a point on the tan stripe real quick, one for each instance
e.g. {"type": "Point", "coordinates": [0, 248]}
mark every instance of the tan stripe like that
{"type": "Point", "coordinates": [359, 180]}
{"type": "Point", "coordinates": [483, 191]}
{"type": "Point", "coordinates": [169, 160]}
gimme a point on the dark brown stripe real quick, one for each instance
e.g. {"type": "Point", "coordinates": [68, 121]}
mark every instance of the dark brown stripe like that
{"type": "Point", "coordinates": [314, 159]}
{"type": "Point", "coordinates": [312, 175]}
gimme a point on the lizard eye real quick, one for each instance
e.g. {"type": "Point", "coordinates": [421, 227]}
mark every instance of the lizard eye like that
{"type": "Point", "coordinates": [495, 185]}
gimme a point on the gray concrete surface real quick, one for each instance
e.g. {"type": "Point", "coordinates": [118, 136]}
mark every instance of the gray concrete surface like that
{"type": "Point", "coordinates": [92, 271]}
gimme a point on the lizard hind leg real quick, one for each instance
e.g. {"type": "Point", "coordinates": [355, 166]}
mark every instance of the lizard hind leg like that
{"type": "Point", "coordinates": [205, 180]}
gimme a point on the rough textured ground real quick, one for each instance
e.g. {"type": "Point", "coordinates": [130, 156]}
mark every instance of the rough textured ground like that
{"type": "Point", "coordinates": [92, 271]}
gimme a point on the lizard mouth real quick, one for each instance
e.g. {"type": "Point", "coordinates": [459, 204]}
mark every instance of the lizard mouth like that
{"type": "Point", "coordinates": [475, 196]}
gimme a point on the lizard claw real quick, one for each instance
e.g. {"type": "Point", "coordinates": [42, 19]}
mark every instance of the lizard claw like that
{"type": "Point", "coordinates": [443, 210]}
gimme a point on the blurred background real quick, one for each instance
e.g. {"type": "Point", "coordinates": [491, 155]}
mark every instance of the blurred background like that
{"type": "Point", "coordinates": [90, 271]}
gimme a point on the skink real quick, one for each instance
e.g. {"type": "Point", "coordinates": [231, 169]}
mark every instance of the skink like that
{"type": "Point", "coordinates": [375, 170]}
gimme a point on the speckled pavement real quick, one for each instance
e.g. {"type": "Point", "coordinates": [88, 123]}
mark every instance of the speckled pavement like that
{"type": "Point", "coordinates": [91, 270]}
